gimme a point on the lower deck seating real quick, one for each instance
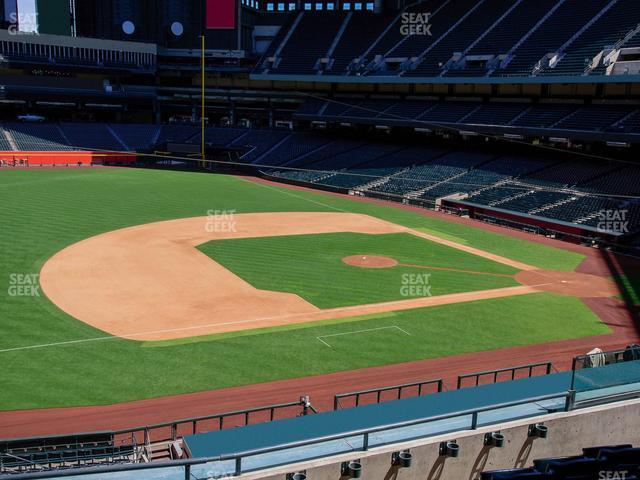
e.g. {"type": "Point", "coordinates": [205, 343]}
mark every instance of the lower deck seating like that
{"type": "Point", "coordinates": [534, 200]}
{"type": "Point", "coordinates": [218, 136]}
{"type": "Point", "coordinates": [136, 136]}
{"type": "Point", "coordinates": [30, 455]}
{"type": "Point", "coordinates": [5, 146]}
{"type": "Point", "coordinates": [437, 169]}
{"type": "Point", "coordinates": [488, 174]}
{"type": "Point", "coordinates": [258, 142]}
{"type": "Point", "coordinates": [625, 181]}
{"type": "Point", "coordinates": [594, 461]}
{"type": "Point", "coordinates": [381, 165]}
{"type": "Point", "coordinates": [177, 133]}
{"type": "Point", "coordinates": [581, 209]}
{"type": "Point", "coordinates": [91, 136]}
{"type": "Point", "coordinates": [491, 196]}
{"type": "Point", "coordinates": [37, 136]}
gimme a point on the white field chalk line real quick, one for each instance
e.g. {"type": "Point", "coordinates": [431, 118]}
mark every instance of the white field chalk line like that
{"type": "Point", "coordinates": [320, 338]}
{"type": "Point", "coordinates": [197, 327]}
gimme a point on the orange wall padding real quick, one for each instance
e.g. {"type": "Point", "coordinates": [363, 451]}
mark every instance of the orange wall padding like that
{"type": "Point", "coordinates": [33, 159]}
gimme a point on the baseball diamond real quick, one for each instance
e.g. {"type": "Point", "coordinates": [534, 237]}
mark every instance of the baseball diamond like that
{"type": "Point", "coordinates": [267, 240]}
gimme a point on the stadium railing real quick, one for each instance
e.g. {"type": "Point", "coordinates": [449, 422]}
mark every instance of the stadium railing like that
{"type": "Point", "coordinates": [417, 387]}
{"type": "Point", "coordinates": [512, 372]}
{"type": "Point", "coordinates": [227, 465]}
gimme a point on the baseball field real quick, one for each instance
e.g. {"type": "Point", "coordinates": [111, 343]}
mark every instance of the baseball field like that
{"type": "Point", "coordinates": [123, 284]}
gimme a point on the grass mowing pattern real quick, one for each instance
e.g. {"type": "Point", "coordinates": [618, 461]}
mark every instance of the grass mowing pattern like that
{"type": "Point", "coordinates": [311, 266]}
{"type": "Point", "coordinates": [44, 211]}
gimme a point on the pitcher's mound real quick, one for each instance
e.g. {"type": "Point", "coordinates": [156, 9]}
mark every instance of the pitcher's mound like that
{"type": "Point", "coordinates": [569, 283]}
{"type": "Point", "coordinates": [370, 261]}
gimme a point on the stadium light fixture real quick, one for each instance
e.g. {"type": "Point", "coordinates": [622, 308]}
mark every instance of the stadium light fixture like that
{"type": "Point", "coordinates": [449, 449]}
{"type": "Point", "coordinates": [494, 439]}
{"type": "Point", "coordinates": [352, 469]}
{"type": "Point", "coordinates": [402, 459]}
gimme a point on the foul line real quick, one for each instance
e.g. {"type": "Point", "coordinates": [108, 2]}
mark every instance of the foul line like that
{"type": "Point", "coordinates": [320, 338]}
{"type": "Point", "coordinates": [285, 191]}
{"type": "Point", "coordinates": [132, 336]}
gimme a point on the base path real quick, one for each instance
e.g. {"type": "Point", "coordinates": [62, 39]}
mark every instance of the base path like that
{"type": "Point", "coordinates": [150, 282]}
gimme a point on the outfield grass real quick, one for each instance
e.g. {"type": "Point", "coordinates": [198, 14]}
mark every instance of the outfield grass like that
{"type": "Point", "coordinates": [41, 212]}
{"type": "Point", "coordinates": [311, 266]}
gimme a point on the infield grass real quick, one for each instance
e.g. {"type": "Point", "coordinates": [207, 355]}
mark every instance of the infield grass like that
{"type": "Point", "coordinates": [52, 360]}
{"type": "Point", "coordinates": [311, 266]}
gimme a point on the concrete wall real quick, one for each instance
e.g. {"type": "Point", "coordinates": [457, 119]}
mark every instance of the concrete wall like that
{"type": "Point", "coordinates": [568, 433]}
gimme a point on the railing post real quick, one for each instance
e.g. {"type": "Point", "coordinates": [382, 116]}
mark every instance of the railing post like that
{"type": "Point", "coordinates": [474, 420]}
{"type": "Point", "coordinates": [146, 437]}
{"type": "Point", "coordinates": [548, 368]}
{"type": "Point", "coordinates": [187, 472]}
{"type": "Point", "coordinates": [573, 372]}
{"type": "Point", "coordinates": [571, 398]}
{"type": "Point", "coordinates": [238, 466]}
{"type": "Point", "coordinates": [174, 432]}
{"type": "Point", "coordinates": [365, 442]}
{"type": "Point", "coordinates": [335, 402]}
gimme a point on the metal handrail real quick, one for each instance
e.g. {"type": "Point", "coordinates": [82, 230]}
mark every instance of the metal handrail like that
{"type": "Point", "coordinates": [569, 397]}
{"type": "Point", "coordinates": [173, 424]}
{"type": "Point", "coordinates": [378, 391]}
{"type": "Point", "coordinates": [513, 370]}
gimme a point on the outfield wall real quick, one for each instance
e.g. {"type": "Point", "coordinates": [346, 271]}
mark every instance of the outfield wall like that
{"type": "Point", "coordinates": [63, 159]}
{"type": "Point", "coordinates": [569, 432]}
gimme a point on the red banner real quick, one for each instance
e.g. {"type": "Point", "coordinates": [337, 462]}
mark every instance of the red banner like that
{"type": "Point", "coordinates": [221, 14]}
